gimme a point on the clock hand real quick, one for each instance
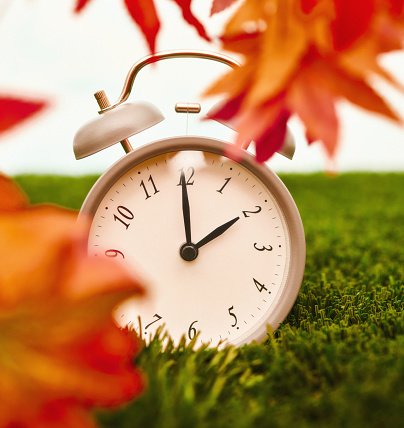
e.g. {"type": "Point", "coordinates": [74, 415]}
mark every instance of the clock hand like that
{"type": "Point", "coordinates": [185, 209]}
{"type": "Point", "coordinates": [215, 233]}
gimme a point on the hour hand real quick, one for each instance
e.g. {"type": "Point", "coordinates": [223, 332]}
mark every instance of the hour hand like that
{"type": "Point", "coordinates": [215, 233]}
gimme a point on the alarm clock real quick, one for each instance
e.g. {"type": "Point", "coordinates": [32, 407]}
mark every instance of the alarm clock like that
{"type": "Point", "coordinates": [220, 241]}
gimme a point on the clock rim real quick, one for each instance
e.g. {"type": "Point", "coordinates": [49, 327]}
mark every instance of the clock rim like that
{"type": "Point", "coordinates": [269, 178]}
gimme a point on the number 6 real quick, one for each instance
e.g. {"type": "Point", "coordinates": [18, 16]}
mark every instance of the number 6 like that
{"type": "Point", "coordinates": [192, 330]}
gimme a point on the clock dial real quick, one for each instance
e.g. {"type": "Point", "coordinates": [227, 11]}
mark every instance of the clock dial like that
{"type": "Point", "coordinates": [209, 236]}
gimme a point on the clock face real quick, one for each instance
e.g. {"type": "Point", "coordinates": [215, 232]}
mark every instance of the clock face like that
{"type": "Point", "coordinates": [215, 240]}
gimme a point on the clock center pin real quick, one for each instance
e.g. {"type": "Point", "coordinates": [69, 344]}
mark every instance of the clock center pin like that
{"type": "Point", "coordinates": [188, 252]}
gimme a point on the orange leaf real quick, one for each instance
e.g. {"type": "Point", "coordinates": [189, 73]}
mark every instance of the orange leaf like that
{"type": "Point", "coordinates": [314, 104]}
{"type": "Point", "coordinates": [235, 83]}
{"type": "Point", "coordinates": [14, 111]}
{"type": "Point", "coordinates": [61, 351]}
{"type": "Point", "coordinates": [254, 122]}
{"type": "Point", "coordinates": [252, 31]}
{"type": "Point", "coordinates": [11, 196]}
{"type": "Point", "coordinates": [250, 12]}
{"type": "Point", "coordinates": [278, 61]}
{"type": "Point", "coordinates": [362, 60]}
{"type": "Point", "coordinates": [312, 53]}
{"type": "Point", "coordinates": [355, 89]}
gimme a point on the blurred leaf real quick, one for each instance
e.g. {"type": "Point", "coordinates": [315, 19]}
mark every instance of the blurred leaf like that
{"type": "Point", "coordinates": [80, 5]}
{"type": "Point", "coordinates": [11, 197]}
{"type": "Point", "coordinates": [352, 20]}
{"type": "Point", "coordinates": [301, 57]}
{"type": "Point", "coordinates": [143, 12]}
{"type": "Point", "coordinates": [220, 5]}
{"type": "Point", "coordinates": [60, 352]}
{"type": "Point", "coordinates": [190, 18]}
{"type": "Point", "coordinates": [13, 111]}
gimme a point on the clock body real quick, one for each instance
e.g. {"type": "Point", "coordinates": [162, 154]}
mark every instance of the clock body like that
{"type": "Point", "coordinates": [246, 262]}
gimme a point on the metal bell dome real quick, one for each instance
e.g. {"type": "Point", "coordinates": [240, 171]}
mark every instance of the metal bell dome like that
{"type": "Point", "coordinates": [113, 126]}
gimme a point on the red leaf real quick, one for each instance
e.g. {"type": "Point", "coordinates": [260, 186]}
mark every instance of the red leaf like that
{"type": "Point", "coordinates": [308, 5]}
{"type": "Point", "coordinates": [63, 414]}
{"type": "Point", "coordinates": [220, 5]}
{"type": "Point", "coordinates": [352, 21]}
{"type": "Point", "coordinates": [80, 5]}
{"type": "Point", "coordinates": [144, 13]}
{"type": "Point", "coordinates": [271, 141]}
{"type": "Point", "coordinates": [189, 17]}
{"type": "Point", "coordinates": [397, 7]}
{"type": "Point", "coordinates": [14, 111]}
{"type": "Point", "coordinates": [223, 112]}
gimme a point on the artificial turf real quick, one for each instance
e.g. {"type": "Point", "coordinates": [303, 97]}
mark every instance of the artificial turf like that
{"type": "Point", "coordinates": [338, 358]}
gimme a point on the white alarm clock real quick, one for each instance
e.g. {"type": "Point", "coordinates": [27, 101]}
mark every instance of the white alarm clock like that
{"type": "Point", "coordinates": [220, 241]}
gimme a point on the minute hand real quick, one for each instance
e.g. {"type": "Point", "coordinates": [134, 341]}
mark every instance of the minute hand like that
{"type": "Point", "coordinates": [215, 233]}
{"type": "Point", "coordinates": [185, 209]}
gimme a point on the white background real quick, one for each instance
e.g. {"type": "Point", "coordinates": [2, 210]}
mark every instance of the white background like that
{"type": "Point", "coordinates": [48, 52]}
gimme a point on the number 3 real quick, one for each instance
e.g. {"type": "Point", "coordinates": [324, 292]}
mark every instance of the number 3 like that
{"type": "Point", "coordinates": [269, 248]}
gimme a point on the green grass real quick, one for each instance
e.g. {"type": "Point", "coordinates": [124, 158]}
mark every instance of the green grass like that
{"type": "Point", "coordinates": [68, 192]}
{"type": "Point", "coordinates": [337, 360]}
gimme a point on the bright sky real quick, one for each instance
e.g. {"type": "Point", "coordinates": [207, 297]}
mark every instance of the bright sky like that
{"type": "Point", "coordinates": [48, 52]}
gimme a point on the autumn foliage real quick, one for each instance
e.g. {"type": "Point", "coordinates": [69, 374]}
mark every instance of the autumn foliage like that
{"type": "Point", "coordinates": [144, 13]}
{"type": "Point", "coordinates": [61, 353]}
{"type": "Point", "coordinates": [300, 57]}
{"type": "Point", "coordinates": [13, 111]}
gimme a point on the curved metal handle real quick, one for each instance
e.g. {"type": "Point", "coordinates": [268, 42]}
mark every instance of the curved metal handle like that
{"type": "Point", "coordinates": [130, 78]}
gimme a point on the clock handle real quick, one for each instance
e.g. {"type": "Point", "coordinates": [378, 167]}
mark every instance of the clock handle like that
{"type": "Point", "coordinates": [130, 78]}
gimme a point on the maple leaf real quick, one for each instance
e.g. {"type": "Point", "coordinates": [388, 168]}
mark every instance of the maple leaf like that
{"type": "Point", "coordinates": [61, 353]}
{"type": "Point", "coordinates": [308, 5]}
{"type": "Point", "coordinates": [302, 57]}
{"type": "Point", "coordinates": [80, 5]}
{"type": "Point", "coordinates": [12, 198]}
{"type": "Point", "coordinates": [352, 20]}
{"type": "Point", "coordinates": [396, 7]}
{"type": "Point", "coordinates": [13, 111]}
{"type": "Point", "coordinates": [144, 13]}
{"type": "Point", "coordinates": [272, 138]}
{"type": "Point", "coordinates": [220, 5]}
{"type": "Point", "coordinates": [190, 18]}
